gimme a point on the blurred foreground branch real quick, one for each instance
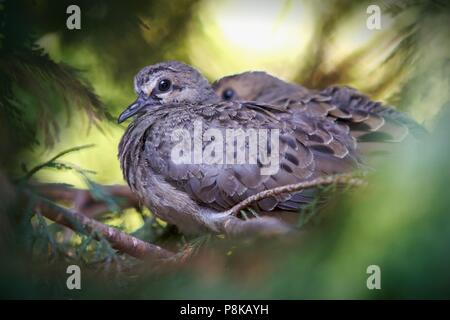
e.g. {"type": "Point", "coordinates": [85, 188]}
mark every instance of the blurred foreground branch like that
{"type": "Point", "coordinates": [135, 247]}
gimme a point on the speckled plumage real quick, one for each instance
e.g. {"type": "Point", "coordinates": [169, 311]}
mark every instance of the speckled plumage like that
{"type": "Point", "coordinates": [370, 122]}
{"type": "Point", "coordinates": [315, 140]}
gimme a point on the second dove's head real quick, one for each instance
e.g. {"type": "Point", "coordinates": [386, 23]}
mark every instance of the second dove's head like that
{"type": "Point", "coordinates": [249, 86]}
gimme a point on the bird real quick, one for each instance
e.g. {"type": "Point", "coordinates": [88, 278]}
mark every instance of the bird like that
{"type": "Point", "coordinates": [378, 136]}
{"type": "Point", "coordinates": [197, 196]}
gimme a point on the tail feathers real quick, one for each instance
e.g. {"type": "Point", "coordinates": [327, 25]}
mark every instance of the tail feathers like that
{"type": "Point", "coordinates": [351, 100]}
{"type": "Point", "coordinates": [376, 127]}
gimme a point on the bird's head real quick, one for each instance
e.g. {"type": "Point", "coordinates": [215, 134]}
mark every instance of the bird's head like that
{"type": "Point", "coordinates": [168, 83]}
{"type": "Point", "coordinates": [248, 86]}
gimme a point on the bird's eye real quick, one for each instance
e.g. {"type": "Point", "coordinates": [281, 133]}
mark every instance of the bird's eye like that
{"type": "Point", "coordinates": [228, 94]}
{"type": "Point", "coordinates": [164, 85]}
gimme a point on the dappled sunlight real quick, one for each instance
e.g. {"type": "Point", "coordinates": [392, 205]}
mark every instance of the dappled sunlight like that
{"type": "Point", "coordinates": [234, 36]}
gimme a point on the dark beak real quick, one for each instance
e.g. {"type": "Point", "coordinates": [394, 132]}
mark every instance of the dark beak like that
{"type": "Point", "coordinates": [134, 108]}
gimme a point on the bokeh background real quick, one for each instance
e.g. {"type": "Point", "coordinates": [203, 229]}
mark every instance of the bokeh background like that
{"type": "Point", "coordinates": [63, 88]}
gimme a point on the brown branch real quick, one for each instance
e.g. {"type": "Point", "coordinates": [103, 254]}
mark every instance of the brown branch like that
{"type": "Point", "coordinates": [348, 180]}
{"type": "Point", "coordinates": [144, 250]}
{"type": "Point", "coordinates": [119, 240]}
{"type": "Point", "coordinates": [82, 199]}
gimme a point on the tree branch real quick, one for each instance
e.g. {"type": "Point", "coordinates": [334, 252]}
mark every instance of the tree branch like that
{"type": "Point", "coordinates": [135, 247]}
{"type": "Point", "coordinates": [82, 199]}
{"type": "Point", "coordinates": [119, 240]}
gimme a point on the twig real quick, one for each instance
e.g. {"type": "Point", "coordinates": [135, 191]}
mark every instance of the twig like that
{"type": "Point", "coordinates": [119, 240]}
{"type": "Point", "coordinates": [348, 180]}
{"type": "Point", "coordinates": [59, 155]}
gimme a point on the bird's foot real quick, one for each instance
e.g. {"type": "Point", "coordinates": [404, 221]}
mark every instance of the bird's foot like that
{"type": "Point", "coordinates": [261, 226]}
